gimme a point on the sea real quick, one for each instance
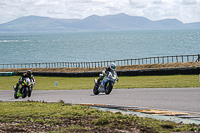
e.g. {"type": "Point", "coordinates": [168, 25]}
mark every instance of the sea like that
{"type": "Point", "coordinates": [96, 46]}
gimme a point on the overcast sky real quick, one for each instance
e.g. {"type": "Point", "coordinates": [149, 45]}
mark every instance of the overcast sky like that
{"type": "Point", "coordinates": [186, 11]}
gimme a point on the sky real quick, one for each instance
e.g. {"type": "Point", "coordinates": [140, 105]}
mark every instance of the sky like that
{"type": "Point", "coordinates": [186, 11]}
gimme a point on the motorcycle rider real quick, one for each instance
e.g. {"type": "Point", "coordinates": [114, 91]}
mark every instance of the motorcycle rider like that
{"type": "Point", "coordinates": [19, 85]}
{"type": "Point", "coordinates": [110, 68]}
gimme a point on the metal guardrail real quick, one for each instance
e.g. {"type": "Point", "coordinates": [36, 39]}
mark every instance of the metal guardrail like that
{"type": "Point", "coordinates": [139, 61]}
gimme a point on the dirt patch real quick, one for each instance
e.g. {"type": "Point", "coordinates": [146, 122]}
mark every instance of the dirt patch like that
{"type": "Point", "coordinates": [96, 69]}
{"type": "Point", "coordinates": [79, 124]}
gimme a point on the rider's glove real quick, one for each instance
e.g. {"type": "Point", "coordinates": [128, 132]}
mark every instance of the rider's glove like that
{"type": "Point", "coordinates": [20, 79]}
{"type": "Point", "coordinates": [103, 72]}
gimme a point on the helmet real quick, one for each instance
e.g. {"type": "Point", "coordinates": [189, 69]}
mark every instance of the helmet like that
{"type": "Point", "coordinates": [28, 73]}
{"type": "Point", "coordinates": [112, 66]}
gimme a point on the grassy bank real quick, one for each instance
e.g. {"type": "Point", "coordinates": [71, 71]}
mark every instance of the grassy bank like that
{"type": "Point", "coordinates": [59, 117]}
{"type": "Point", "coordinates": [71, 83]}
{"type": "Point", "coordinates": [99, 69]}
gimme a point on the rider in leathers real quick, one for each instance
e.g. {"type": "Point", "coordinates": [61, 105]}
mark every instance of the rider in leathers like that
{"type": "Point", "coordinates": [19, 85]}
{"type": "Point", "coordinates": [108, 69]}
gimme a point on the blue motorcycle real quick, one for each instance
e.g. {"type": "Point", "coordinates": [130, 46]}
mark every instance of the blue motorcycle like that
{"type": "Point", "coordinates": [105, 85]}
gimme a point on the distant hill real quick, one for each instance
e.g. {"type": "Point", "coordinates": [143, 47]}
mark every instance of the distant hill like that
{"type": "Point", "coordinates": [117, 22]}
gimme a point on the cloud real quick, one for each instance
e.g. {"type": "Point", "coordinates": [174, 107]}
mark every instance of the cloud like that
{"type": "Point", "coordinates": [183, 10]}
{"type": "Point", "coordinates": [189, 2]}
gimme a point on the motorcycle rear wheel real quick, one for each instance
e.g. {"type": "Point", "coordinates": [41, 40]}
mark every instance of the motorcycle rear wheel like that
{"type": "Point", "coordinates": [108, 88]}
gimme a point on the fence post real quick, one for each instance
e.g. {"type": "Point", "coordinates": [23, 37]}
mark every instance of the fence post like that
{"type": "Point", "coordinates": [182, 58]}
{"type": "Point", "coordinates": [163, 59]}
{"type": "Point", "coordinates": [150, 60]}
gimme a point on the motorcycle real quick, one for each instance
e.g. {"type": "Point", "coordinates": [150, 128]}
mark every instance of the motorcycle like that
{"type": "Point", "coordinates": [27, 86]}
{"type": "Point", "coordinates": [106, 85]}
{"type": "Point", "coordinates": [31, 88]}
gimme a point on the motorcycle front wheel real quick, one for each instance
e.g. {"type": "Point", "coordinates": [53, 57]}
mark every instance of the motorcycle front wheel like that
{"type": "Point", "coordinates": [24, 92]}
{"type": "Point", "coordinates": [29, 92]}
{"type": "Point", "coordinates": [108, 87]}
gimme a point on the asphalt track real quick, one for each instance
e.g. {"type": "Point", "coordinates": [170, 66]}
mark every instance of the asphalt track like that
{"type": "Point", "coordinates": [177, 99]}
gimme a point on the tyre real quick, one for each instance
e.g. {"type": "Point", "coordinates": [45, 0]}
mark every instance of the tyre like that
{"type": "Point", "coordinates": [108, 87]}
{"type": "Point", "coordinates": [95, 90]}
{"type": "Point", "coordinates": [24, 92]}
{"type": "Point", "coordinates": [29, 92]}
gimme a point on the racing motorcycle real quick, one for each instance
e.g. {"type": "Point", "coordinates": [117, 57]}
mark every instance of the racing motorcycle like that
{"type": "Point", "coordinates": [105, 85]}
{"type": "Point", "coordinates": [27, 86]}
{"type": "Point", "coordinates": [31, 88]}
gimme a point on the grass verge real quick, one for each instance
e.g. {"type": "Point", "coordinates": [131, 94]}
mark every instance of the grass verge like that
{"type": "Point", "coordinates": [72, 83]}
{"type": "Point", "coordinates": [59, 117]}
{"type": "Point", "coordinates": [99, 69]}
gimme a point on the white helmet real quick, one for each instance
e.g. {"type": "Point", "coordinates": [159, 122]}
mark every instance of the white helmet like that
{"type": "Point", "coordinates": [112, 66]}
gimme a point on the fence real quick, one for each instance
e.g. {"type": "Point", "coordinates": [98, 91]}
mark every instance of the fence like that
{"type": "Point", "coordinates": [139, 61]}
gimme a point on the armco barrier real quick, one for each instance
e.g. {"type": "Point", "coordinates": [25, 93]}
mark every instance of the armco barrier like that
{"type": "Point", "coordinates": [161, 71]}
{"type": "Point", "coordinates": [7, 73]}
{"type": "Point", "coordinates": [141, 72]}
{"type": "Point", "coordinates": [63, 74]}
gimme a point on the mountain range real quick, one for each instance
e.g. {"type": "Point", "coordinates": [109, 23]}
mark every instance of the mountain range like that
{"type": "Point", "coordinates": [118, 22]}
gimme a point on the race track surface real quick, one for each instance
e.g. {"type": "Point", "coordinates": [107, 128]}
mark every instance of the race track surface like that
{"type": "Point", "coordinates": [178, 99]}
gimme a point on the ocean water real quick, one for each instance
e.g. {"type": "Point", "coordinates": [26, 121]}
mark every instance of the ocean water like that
{"type": "Point", "coordinates": [96, 46]}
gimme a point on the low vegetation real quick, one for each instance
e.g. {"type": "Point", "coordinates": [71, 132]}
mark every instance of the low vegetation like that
{"type": "Point", "coordinates": [59, 117]}
{"type": "Point", "coordinates": [72, 83]}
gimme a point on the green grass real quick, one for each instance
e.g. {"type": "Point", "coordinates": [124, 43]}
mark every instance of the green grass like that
{"type": "Point", "coordinates": [71, 83]}
{"type": "Point", "coordinates": [159, 81]}
{"type": "Point", "coordinates": [36, 115]}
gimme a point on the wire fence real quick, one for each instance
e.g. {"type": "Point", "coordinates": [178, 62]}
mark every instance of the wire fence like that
{"type": "Point", "coordinates": [139, 61]}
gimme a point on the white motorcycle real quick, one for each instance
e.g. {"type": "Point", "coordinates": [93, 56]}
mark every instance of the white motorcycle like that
{"type": "Point", "coordinates": [31, 88]}
{"type": "Point", "coordinates": [106, 85]}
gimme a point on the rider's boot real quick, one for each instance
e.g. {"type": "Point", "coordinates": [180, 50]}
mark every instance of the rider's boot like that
{"type": "Point", "coordinates": [14, 88]}
{"type": "Point", "coordinates": [19, 88]}
{"type": "Point", "coordinates": [20, 91]}
{"type": "Point", "coordinates": [99, 80]}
